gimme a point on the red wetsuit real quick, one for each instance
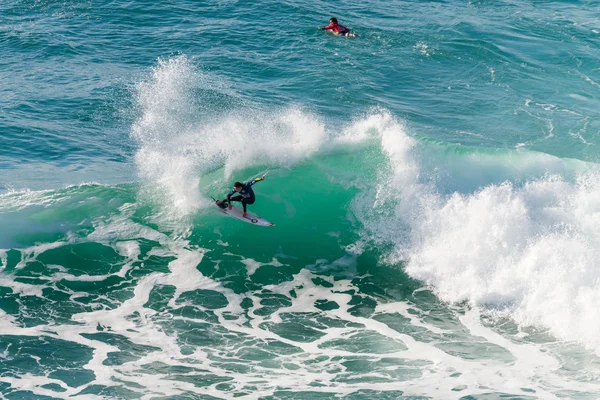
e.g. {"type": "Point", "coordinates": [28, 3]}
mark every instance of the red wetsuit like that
{"type": "Point", "coordinates": [337, 28]}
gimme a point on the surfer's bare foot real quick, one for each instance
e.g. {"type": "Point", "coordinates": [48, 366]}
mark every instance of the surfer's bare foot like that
{"type": "Point", "coordinates": [230, 207]}
{"type": "Point", "coordinates": [244, 214]}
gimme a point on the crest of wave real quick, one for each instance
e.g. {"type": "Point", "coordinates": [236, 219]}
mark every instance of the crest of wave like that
{"type": "Point", "coordinates": [191, 123]}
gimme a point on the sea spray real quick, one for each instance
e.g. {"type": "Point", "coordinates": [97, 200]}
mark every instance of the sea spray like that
{"type": "Point", "coordinates": [178, 144]}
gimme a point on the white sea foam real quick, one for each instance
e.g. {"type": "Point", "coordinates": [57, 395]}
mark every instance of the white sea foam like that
{"type": "Point", "coordinates": [528, 247]}
{"type": "Point", "coordinates": [532, 250]}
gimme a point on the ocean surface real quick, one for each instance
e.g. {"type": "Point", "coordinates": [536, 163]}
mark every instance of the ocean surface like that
{"type": "Point", "coordinates": [434, 184]}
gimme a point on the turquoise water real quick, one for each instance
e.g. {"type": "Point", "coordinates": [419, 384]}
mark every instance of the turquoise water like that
{"type": "Point", "coordinates": [433, 181]}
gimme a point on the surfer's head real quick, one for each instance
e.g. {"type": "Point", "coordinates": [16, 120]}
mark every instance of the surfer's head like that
{"type": "Point", "coordinates": [237, 186]}
{"type": "Point", "coordinates": [333, 21]}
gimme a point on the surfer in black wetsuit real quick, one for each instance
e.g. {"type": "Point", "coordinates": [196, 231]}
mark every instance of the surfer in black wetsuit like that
{"type": "Point", "coordinates": [246, 194]}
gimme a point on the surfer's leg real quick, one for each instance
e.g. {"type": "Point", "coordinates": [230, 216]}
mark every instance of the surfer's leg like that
{"type": "Point", "coordinates": [247, 201]}
{"type": "Point", "coordinates": [236, 198]}
{"type": "Point", "coordinates": [232, 199]}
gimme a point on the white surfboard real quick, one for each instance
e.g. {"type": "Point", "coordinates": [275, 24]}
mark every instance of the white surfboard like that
{"type": "Point", "coordinates": [250, 218]}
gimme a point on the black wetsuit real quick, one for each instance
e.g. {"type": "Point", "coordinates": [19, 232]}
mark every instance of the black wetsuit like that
{"type": "Point", "coordinates": [245, 196]}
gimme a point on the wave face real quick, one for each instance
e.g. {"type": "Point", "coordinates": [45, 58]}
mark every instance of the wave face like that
{"type": "Point", "coordinates": [434, 185]}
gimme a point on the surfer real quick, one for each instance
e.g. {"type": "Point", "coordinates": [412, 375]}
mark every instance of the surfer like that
{"type": "Point", "coordinates": [246, 194]}
{"type": "Point", "coordinates": [337, 28]}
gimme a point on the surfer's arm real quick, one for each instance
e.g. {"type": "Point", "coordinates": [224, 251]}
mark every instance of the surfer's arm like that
{"type": "Point", "coordinates": [229, 196]}
{"type": "Point", "coordinates": [253, 181]}
{"type": "Point", "coordinates": [326, 28]}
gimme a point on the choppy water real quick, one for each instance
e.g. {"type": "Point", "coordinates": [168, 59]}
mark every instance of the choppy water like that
{"type": "Point", "coordinates": [434, 184]}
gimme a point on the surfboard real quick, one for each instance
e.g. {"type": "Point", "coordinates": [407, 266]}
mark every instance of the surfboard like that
{"type": "Point", "coordinates": [250, 218]}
